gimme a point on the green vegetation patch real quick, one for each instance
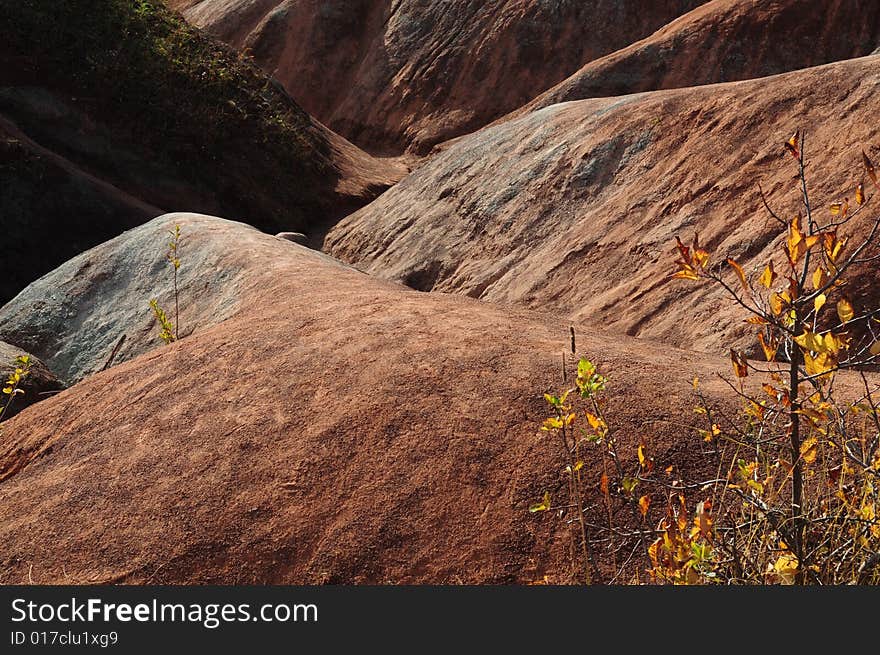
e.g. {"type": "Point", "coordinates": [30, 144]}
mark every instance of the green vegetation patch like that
{"type": "Point", "coordinates": [177, 97]}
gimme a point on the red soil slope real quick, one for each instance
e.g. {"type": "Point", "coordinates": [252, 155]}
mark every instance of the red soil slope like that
{"type": "Point", "coordinates": [728, 40]}
{"type": "Point", "coordinates": [337, 429]}
{"type": "Point", "coordinates": [574, 208]}
{"type": "Point", "coordinates": [410, 73]}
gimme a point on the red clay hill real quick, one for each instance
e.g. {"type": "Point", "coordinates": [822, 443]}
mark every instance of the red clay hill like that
{"type": "Point", "coordinates": [370, 414]}
{"type": "Point", "coordinates": [728, 40]}
{"type": "Point", "coordinates": [335, 428]}
{"type": "Point", "coordinates": [574, 208]}
{"type": "Point", "coordinates": [407, 74]}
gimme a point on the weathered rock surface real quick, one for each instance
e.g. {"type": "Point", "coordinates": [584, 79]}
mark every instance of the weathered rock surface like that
{"type": "Point", "coordinates": [574, 208]}
{"type": "Point", "coordinates": [73, 317]}
{"type": "Point", "coordinates": [336, 428]}
{"type": "Point", "coordinates": [37, 385]}
{"type": "Point", "coordinates": [728, 40]}
{"type": "Point", "coordinates": [295, 237]}
{"type": "Point", "coordinates": [398, 74]}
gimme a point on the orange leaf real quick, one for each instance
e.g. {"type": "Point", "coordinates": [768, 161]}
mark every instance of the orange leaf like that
{"type": "Point", "coordinates": [769, 348]}
{"type": "Point", "coordinates": [772, 391]}
{"type": "Point", "coordinates": [644, 504]}
{"type": "Point", "coordinates": [645, 462]}
{"type": "Point", "coordinates": [603, 484]}
{"type": "Point", "coordinates": [703, 518]}
{"type": "Point", "coordinates": [600, 427]}
{"type": "Point", "coordinates": [739, 273]}
{"type": "Point", "coordinates": [740, 365]}
{"type": "Point", "coordinates": [860, 194]}
{"type": "Point", "coordinates": [692, 262]}
{"type": "Point", "coordinates": [682, 513]}
{"type": "Point", "coordinates": [792, 145]}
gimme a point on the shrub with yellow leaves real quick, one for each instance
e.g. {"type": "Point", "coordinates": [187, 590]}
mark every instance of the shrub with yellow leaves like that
{"type": "Point", "coordinates": [12, 387]}
{"type": "Point", "coordinates": [807, 491]}
{"type": "Point", "coordinates": [170, 332]}
{"type": "Point", "coordinates": [796, 493]}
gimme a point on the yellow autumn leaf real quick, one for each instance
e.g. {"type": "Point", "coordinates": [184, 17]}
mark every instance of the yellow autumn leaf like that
{"type": "Point", "coordinates": [875, 348]}
{"type": "Point", "coordinates": [819, 302]}
{"type": "Point", "coordinates": [543, 506]}
{"type": "Point", "coordinates": [654, 552]}
{"type": "Point", "coordinates": [795, 240]}
{"type": "Point", "coordinates": [840, 208]}
{"type": "Point", "coordinates": [785, 569]}
{"type": "Point", "coordinates": [686, 273]}
{"type": "Point", "coordinates": [845, 310]}
{"type": "Point", "coordinates": [834, 343]}
{"type": "Point", "coordinates": [832, 245]}
{"type": "Point", "coordinates": [816, 418]}
{"type": "Point", "coordinates": [777, 303]}
{"type": "Point", "coordinates": [820, 365]}
{"type": "Point", "coordinates": [768, 277]}
{"type": "Point", "coordinates": [701, 257]}
{"type": "Point", "coordinates": [860, 194]}
{"type": "Point", "coordinates": [811, 341]}
{"type": "Point", "coordinates": [810, 450]}
{"type": "Point", "coordinates": [818, 277]}
{"type": "Point", "coordinates": [644, 504]}
{"type": "Point", "coordinates": [552, 423]}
